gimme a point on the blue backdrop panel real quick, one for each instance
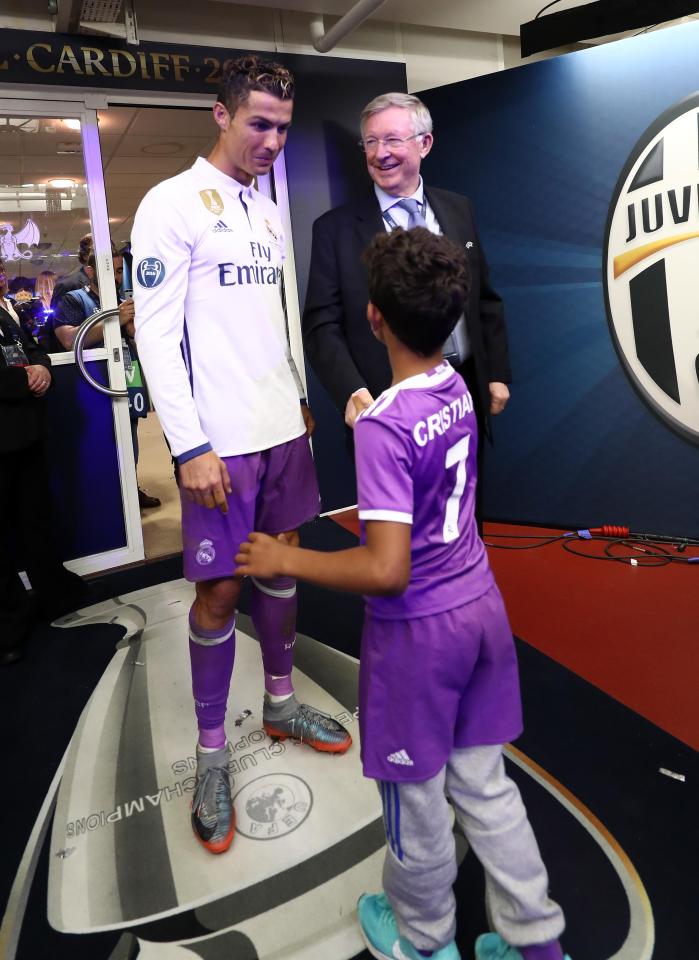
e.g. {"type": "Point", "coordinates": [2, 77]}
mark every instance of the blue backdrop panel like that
{"type": "Point", "coordinates": [86, 496]}
{"type": "Point", "coordinates": [540, 150]}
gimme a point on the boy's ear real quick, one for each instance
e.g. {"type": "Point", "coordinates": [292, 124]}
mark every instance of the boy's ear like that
{"type": "Point", "coordinates": [376, 321]}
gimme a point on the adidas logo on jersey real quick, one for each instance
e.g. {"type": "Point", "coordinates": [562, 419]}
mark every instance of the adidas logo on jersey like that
{"type": "Point", "coordinates": [400, 757]}
{"type": "Point", "coordinates": [221, 227]}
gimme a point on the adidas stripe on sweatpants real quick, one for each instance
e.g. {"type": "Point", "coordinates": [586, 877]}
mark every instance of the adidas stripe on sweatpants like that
{"type": "Point", "coordinates": [420, 865]}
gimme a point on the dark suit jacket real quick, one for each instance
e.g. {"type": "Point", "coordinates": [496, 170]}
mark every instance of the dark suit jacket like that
{"type": "Point", "coordinates": [21, 413]}
{"type": "Point", "coordinates": [339, 344]}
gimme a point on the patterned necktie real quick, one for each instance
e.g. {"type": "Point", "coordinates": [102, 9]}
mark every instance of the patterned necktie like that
{"type": "Point", "coordinates": [415, 217]}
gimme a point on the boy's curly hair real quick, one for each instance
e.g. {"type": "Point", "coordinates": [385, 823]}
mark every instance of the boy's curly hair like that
{"type": "Point", "coordinates": [420, 282]}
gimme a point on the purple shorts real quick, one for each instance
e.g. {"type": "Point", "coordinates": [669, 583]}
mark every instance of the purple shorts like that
{"type": "Point", "coordinates": [434, 684]}
{"type": "Point", "coordinates": [273, 491]}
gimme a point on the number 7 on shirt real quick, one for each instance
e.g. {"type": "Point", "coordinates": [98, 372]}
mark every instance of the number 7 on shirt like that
{"type": "Point", "coordinates": [456, 456]}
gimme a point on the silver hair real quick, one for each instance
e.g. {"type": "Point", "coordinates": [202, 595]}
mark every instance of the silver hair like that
{"type": "Point", "coordinates": [420, 115]}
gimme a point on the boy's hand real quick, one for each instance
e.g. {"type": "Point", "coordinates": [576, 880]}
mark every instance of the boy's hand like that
{"type": "Point", "coordinates": [308, 420]}
{"type": "Point", "coordinates": [360, 400]}
{"type": "Point", "coordinates": [261, 556]}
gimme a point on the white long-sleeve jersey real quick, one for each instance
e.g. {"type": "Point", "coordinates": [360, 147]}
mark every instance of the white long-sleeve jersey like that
{"type": "Point", "coordinates": [210, 326]}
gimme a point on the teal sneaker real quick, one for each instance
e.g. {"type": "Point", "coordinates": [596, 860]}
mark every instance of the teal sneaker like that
{"type": "Point", "coordinates": [491, 946]}
{"type": "Point", "coordinates": [380, 932]}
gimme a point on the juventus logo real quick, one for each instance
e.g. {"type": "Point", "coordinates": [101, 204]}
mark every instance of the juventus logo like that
{"type": "Point", "coordinates": [651, 275]}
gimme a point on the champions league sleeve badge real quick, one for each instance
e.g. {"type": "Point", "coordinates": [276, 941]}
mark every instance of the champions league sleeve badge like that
{"type": "Point", "coordinates": [150, 272]}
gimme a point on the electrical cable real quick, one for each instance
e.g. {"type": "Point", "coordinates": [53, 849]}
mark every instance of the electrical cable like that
{"type": "Point", "coordinates": [545, 540]}
{"type": "Point", "coordinates": [614, 537]}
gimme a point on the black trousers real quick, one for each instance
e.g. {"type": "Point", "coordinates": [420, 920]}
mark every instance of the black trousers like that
{"type": "Point", "coordinates": [26, 543]}
{"type": "Point", "coordinates": [468, 372]}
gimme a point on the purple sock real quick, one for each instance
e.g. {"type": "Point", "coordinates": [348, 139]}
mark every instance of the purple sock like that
{"type": "Point", "coordinates": [542, 951]}
{"type": "Point", "coordinates": [212, 653]}
{"type": "Point", "coordinates": [278, 686]}
{"type": "Point", "coordinates": [273, 611]}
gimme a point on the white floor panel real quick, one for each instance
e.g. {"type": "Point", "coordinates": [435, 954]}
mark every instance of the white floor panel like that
{"type": "Point", "coordinates": [309, 837]}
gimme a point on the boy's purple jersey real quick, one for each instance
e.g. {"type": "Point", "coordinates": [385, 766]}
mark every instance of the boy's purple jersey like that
{"type": "Point", "coordinates": [416, 463]}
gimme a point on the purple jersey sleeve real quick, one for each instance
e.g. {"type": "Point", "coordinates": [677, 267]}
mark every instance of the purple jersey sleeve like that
{"type": "Point", "coordinates": [384, 474]}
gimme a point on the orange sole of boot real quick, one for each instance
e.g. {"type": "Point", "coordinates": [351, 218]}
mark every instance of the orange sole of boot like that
{"type": "Point", "coordinates": [315, 744]}
{"type": "Point", "coordinates": [222, 845]}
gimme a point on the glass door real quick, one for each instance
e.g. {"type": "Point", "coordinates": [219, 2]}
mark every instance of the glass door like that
{"type": "Point", "coordinates": [55, 241]}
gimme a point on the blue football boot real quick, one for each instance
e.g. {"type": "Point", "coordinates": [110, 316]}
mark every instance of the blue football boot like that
{"type": "Point", "coordinates": [380, 932]}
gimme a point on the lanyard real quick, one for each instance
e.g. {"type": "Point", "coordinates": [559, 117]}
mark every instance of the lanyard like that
{"type": "Point", "coordinates": [388, 217]}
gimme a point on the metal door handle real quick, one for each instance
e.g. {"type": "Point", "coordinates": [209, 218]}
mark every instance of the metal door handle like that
{"type": "Point", "coordinates": [78, 347]}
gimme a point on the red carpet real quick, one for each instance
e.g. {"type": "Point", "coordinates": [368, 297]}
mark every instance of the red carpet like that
{"type": "Point", "coordinates": [631, 631]}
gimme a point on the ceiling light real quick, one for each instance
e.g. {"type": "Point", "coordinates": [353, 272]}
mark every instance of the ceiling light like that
{"type": "Point", "coordinates": [60, 184]}
{"type": "Point", "coordinates": [72, 124]}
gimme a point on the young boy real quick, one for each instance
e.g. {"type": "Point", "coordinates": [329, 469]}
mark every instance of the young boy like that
{"type": "Point", "coordinates": [439, 689]}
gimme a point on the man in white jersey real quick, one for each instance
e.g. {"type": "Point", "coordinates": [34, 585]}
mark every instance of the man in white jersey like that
{"type": "Point", "coordinates": [211, 334]}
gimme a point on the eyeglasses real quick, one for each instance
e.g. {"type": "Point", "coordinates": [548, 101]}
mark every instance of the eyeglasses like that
{"type": "Point", "coordinates": [371, 144]}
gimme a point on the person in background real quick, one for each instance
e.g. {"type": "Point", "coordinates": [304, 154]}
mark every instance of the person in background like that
{"type": "Point", "coordinates": [28, 306]}
{"type": "Point", "coordinates": [78, 278]}
{"type": "Point", "coordinates": [26, 540]}
{"type": "Point", "coordinates": [43, 312]}
{"type": "Point", "coordinates": [45, 284]}
{"type": "Point", "coordinates": [72, 310]}
{"type": "Point", "coordinates": [396, 130]}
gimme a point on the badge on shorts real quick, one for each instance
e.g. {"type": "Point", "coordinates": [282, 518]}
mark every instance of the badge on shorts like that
{"type": "Point", "coordinates": [212, 201]}
{"type": "Point", "coordinates": [150, 272]}
{"type": "Point", "coordinates": [206, 553]}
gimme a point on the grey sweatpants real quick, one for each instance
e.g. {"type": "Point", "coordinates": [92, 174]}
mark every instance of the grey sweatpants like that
{"type": "Point", "coordinates": [420, 866]}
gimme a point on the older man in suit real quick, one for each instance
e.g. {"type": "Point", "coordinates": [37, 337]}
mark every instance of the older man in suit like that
{"type": "Point", "coordinates": [350, 363]}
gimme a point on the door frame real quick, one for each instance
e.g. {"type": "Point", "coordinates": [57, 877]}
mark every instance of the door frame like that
{"type": "Point", "coordinates": [82, 109]}
{"type": "Point", "coordinates": [65, 101]}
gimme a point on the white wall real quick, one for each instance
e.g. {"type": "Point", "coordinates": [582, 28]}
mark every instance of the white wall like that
{"type": "Point", "coordinates": [433, 55]}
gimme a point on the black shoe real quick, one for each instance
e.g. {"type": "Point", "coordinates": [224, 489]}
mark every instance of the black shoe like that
{"type": "Point", "coordinates": [145, 500]}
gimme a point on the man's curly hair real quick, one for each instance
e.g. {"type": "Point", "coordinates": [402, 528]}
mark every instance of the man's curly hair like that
{"type": "Point", "coordinates": [420, 282]}
{"type": "Point", "coordinates": [252, 73]}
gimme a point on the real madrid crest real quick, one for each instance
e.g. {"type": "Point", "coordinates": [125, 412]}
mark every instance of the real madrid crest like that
{"type": "Point", "coordinates": [212, 201]}
{"type": "Point", "coordinates": [206, 553]}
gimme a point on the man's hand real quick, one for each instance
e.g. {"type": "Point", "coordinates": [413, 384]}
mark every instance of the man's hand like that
{"type": "Point", "coordinates": [127, 312]}
{"type": "Point", "coordinates": [308, 419]}
{"type": "Point", "coordinates": [38, 379]}
{"type": "Point", "coordinates": [499, 395]}
{"type": "Point", "coordinates": [205, 480]}
{"type": "Point", "coordinates": [360, 400]}
{"type": "Point", "coordinates": [261, 556]}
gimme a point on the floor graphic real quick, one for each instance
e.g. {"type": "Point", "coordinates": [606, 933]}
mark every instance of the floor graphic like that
{"type": "Point", "coordinates": [124, 877]}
